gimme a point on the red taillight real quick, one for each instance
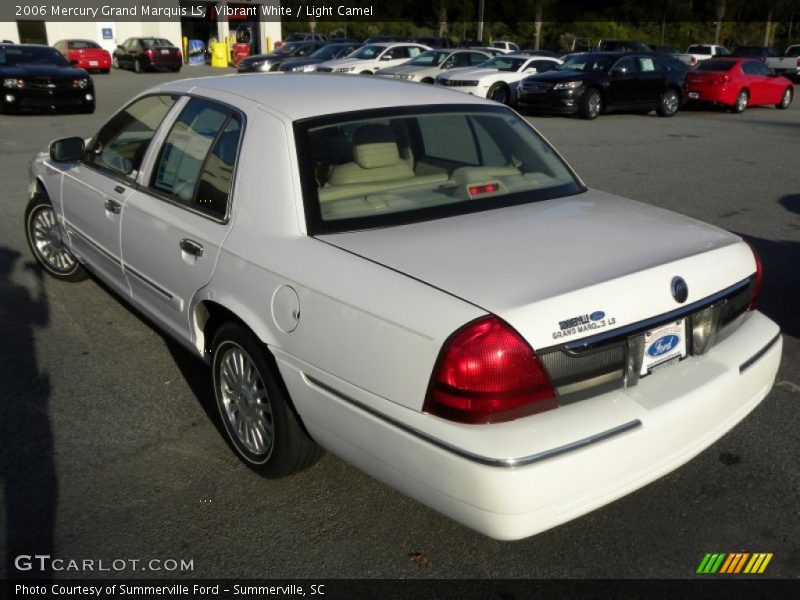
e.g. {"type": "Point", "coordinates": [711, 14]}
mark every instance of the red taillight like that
{"type": "Point", "coordinates": [178, 52]}
{"type": "Point", "coordinates": [694, 60]}
{"type": "Point", "coordinates": [149, 53]}
{"type": "Point", "coordinates": [477, 190]}
{"type": "Point", "coordinates": [486, 373]}
{"type": "Point", "coordinates": [757, 279]}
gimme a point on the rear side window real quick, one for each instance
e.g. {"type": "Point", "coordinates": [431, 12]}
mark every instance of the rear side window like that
{"type": "Point", "coordinates": [121, 144]}
{"type": "Point", "coordinates": [195, 166]}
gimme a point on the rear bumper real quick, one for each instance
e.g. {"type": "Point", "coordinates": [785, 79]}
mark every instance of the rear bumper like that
{"type": "Point", "coordinates": [714, 95]}
{"type": "Point", "coordinates": [640, 434]}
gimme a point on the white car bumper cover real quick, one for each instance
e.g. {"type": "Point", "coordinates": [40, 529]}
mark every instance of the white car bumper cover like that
{"type": "Point", "coordinates": [666, 421]}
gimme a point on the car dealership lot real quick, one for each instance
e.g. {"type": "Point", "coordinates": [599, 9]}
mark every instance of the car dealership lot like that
{"type": "Point", "coordinates": [107, 429]}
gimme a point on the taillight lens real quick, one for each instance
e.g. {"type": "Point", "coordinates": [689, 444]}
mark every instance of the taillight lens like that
{"type": "Point", "coordinates": [149, 53]}
{"type": "Point", "coordinates": [757, 280]}
{"type": "Point", "coordinates": [487, 373]}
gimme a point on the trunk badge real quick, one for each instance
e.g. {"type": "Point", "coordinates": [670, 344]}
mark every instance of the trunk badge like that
{"type": "Point", "coordinates": [680, 291]}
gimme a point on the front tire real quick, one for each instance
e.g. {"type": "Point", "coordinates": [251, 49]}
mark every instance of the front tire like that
{"type": "Point", "coordinates": [668, 104]}
{"type": "Point", "coordinates": [590, 105]}
{"type": "Point", "coordinates": [499, 92]}
{"type": "Point", "coordinates": [46, 241]}
{"type": "Point", "coordinates": [786, 99]}
{"type": "Point", "coordinates": [741, 102]}
{"type": "Point", "coordinates": [256, 414]}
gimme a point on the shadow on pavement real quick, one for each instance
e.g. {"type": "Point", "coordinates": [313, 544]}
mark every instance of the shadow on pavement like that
{"type": "Point", "coordinates": [781, 288]}
{"type": "Point", "coordinates": [27, 467]}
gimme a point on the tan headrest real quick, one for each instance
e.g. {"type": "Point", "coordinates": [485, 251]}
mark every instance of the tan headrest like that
{"type": "Point", "coordinates": [375, 146]}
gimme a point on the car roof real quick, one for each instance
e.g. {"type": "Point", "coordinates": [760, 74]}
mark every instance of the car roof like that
{"type": "Point", "coordinates": [297, 96]}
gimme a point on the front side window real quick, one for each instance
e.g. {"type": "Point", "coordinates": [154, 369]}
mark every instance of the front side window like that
{"type": "Point", "coordinates": [369, 52]}
{"type": "Point", "coordinates": [195, 165]}
{"type": "Point", "coordinates": [407, 164]}
{"type": "Point", "coordinates": [121, 144]}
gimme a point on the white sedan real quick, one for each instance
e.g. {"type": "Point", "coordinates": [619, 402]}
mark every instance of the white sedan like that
{"type": "Point", "coordinates": [416, 282]}
{"type": "Point", "coordinates": [497, 79]}
{"type": "Point", "coordinates": [371, 58]}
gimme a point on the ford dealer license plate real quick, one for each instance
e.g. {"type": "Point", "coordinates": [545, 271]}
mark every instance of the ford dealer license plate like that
{"type": "Point", "coordinates": [663, 345]}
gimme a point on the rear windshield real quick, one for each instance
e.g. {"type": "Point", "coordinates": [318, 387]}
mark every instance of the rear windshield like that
{"type": "Point", "coordinates": [699, 50]}
{"type": "Point", "coordinates": [39, 55]}
{"type": "Point", "coordinates": [401, 165]}
{"type": "Point", "coordinates": [715, 65]}
{"type": "Point", "coordinates": [154, 42]}
{"type": "Point", "coordinates": [793, 51]}
{"type": "Point", "coordinates": [82, 45]}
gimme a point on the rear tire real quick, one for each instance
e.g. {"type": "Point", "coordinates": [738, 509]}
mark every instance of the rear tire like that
{"type": "Point", "coordinates": [786, 99]}
{"type": "Point", "coordinates": [45, 240]}
{"type": "Point", "coordinates": [741, 102]}
{"type": "Point", "coordinates": [137, 66]}
{"type": "Point", "coordinates": [591, 103]}
{"type": "Point", "coordinates": [115, 63]}
{"type": "Point", "coordinates": [254, 408]}
{"type": "Point", "coordinates": [668, 104]}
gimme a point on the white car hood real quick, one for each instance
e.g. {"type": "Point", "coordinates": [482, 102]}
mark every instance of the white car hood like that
{"type": "Point", "coordinates": [539, 264]}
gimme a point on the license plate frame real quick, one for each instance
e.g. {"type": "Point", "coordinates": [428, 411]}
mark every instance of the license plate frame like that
{"type": "Point", "coordinates": [164, 51]}
{"type": "Point", "coordinates": [694, 95]}
{"type": "Point", "coordinates": [663, 346]}
{"type": "Point", "coordinates": [94, 63]}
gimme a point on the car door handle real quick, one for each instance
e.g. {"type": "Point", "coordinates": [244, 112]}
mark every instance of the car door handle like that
{"type": "Point", "coordinates": [119, 189]}
{"type": "Point", "coordinates": [191, 247]}
{"type": "Point", "coordinates": [113, 207]}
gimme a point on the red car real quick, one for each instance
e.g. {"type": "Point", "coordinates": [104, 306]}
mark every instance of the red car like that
{"type": "Point", "coordinates": [85, 54]}
{"type": "Point", "coordinates": [738, 83]}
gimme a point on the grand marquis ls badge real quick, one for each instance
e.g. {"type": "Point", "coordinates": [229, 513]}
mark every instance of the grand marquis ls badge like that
{"type": "Point", "coordinates": [680, 291]}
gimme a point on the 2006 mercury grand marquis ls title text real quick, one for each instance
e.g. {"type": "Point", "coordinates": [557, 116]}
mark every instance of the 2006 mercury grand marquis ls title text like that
{"type": "Point", "coordinates": [416, 281]}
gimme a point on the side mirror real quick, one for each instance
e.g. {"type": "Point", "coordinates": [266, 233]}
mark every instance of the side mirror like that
{"type": "Point", "coordinates": [119, 47]}
{"type": "Point", "coordinates": [386, 57]}
{"type": "Point", "coordinates": [67, 149]}
{"type": "Point", "coordinates": [74, 62]}
{"type": "Point", "coordinates": [531, 70]}
{"type": "Point", "coordinates": [617, 72]}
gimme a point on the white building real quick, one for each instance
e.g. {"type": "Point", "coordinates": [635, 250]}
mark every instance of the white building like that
{"type": "Point", "coordinates": [110, 33]}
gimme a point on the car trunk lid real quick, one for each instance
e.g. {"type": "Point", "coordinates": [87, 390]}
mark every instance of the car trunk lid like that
{"type": "Point", "coordinates": [547, 267]}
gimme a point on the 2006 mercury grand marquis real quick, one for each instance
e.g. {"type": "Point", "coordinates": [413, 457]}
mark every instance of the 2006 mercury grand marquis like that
{"type": "Point", "coordinates": [416, 281]}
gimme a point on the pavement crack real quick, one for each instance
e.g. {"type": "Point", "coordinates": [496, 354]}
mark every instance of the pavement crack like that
{"type": "Point", "coordinates": [788, 385]}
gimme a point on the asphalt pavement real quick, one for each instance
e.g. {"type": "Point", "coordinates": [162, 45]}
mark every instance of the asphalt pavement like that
{"type": "Point", "coordinates": [109, 448]}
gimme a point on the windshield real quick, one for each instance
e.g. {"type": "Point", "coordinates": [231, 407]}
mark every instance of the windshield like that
{"type": "Point", "coordinates": [431, 58]}
{"type": "Point", "coordinates": [368, 52]}
{"type": "Point", "coordinates": [329, 51]}
{"type": "Point", "coordinates": [586, 63]}
{"type": "Point", "coordinates": [400, 165]}
{"type": "Point", "coordinates": [793, 51]}
{"type": "Point", "coordinates": [38, 55]}
{"type": "Point", "coordinates": [504, 63]}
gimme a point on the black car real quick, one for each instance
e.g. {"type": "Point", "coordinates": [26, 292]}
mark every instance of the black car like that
{"type": "Point", "coordinates": [591, 83]}
{"type": "Point", "coordinates": [146, 54]}
{"type": "Point", "coordinates": [760, 52]}
{"type": "Point", "coordinates": [273, 60]}
{"type": "Point", "coordinates": [40, 78]}
{"type": "Point", "coordinates": [330, 51]}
